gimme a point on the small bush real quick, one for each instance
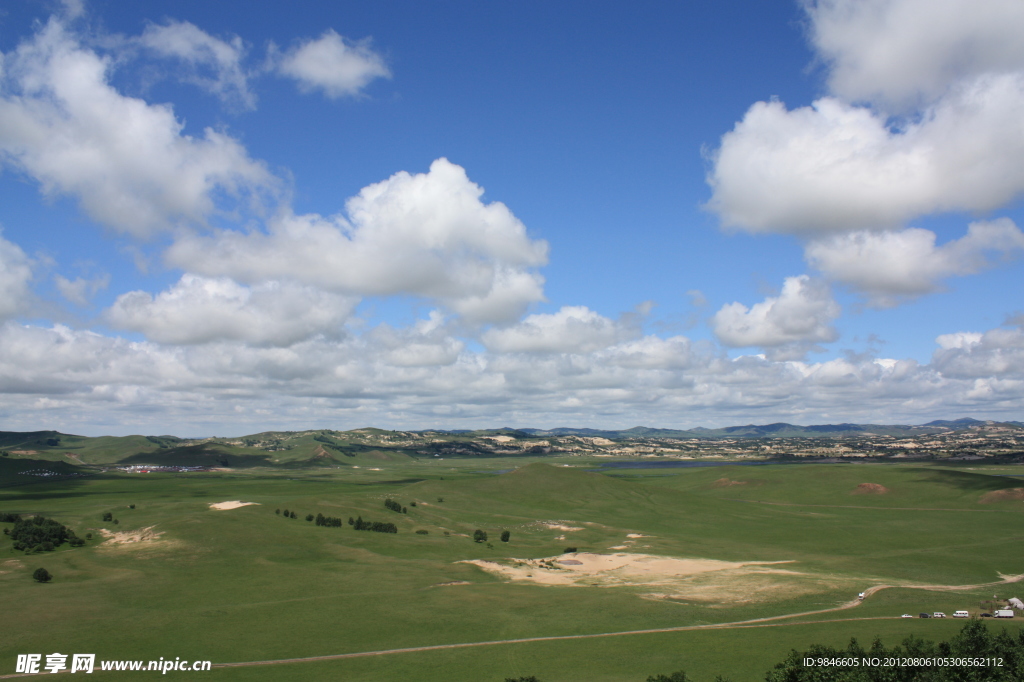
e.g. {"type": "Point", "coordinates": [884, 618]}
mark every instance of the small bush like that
{"type": "Point", "coordinates": [422, 532]}
{"type": "Point", "coordinates": [479, 535]}
{"type": "Point", "coordinates": [505, 535]}
{"type": "Point", "coordinates": [569, 550]}
{"type": "Point", "coordinates": [41, 575]}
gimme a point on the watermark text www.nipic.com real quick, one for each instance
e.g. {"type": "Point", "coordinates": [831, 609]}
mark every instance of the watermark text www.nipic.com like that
{"type": "Point", "coordinates": [86, 663]}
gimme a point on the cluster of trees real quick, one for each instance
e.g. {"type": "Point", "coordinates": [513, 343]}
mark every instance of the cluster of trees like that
{"type": "Point", "coordinates": [376, 526]}
{"type": "Point", "coordinates": [287, 514]}
{"type": "Point", "coordinates": [39, 534]}
{"type": "Point", "coordinates": [9, 518]}
{"type": "Point", "coordinates": [333, 445]}
{"type": "Point", "coordinates": [332, 521]}
{"type": "Point", "coordinates": [973, 642]}
{"type": "Point", "coordinates": [394, 506]}
{"type": "Point", "coordinates": [479, 535]}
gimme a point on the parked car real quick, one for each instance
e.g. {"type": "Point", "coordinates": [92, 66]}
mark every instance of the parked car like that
{"type": "Point", "coordinates": [938, 614]}
{"type": "Point", "coordinates": [984, 615]}
{"type": "Point", "coordinates": [961, 614]}
{"type": "Point", "coordinates": [924, 615]}
{"type": "Point", "coordinates": [906, 615]}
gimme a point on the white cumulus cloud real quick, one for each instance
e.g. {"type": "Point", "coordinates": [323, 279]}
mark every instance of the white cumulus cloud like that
{"type": "Point", "coordinates": [333, 64]}
{"type": "Point", "coordinates": [902, 52]}
{"type": "Point", "coordinates": [211, 63]}
{"type": "Point", "coordinates": [801, 315]}
{"type": "Point", "coordinates": [15, 275]}
{"type": "Point", "coordinates": [426, 234]}
{"type": "Point", "coordinates": [203, 310]}
{"type": "Point", "coordinates": [573, 329]}
{"type": "Point", "coordinates": [836, 167]}
{"type": "Point", "coordinates": [126, 161]}
{"type": "Point", "coordinates": [889, 266]}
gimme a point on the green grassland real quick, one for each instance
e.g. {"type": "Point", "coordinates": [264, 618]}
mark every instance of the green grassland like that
{"type": "Point", "coordinates": [247, 584]}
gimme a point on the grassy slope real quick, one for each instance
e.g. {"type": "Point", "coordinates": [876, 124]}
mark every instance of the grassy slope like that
{"type": "Point", "coordinates": [249, 585]}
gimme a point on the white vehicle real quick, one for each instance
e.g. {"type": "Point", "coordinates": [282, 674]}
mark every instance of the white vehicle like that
{"type": "Point", "coordinates": [961, 614]}
{"type": "Point", "coordinates": [906, 615]}
{"type": "Point", "coordinates": [1003, 613]}
{"type": "Point", "coordinates": [938, 614]}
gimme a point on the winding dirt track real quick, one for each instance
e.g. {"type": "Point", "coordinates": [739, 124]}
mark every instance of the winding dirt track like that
{"type": "Point", "coordinates": [735, 625]}
{"type": "Point", "coordinates": [753, 623]}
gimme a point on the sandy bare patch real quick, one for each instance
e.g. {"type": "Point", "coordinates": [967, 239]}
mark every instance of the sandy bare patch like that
{"type": "Point", "coordinates": [636, 535]}
{"type": "Point", "coordinates": [1008, 495]}
{"type": "Point", "coordinates": [870, 489]}
{"type": "Point", "coordinates": [678, 579]}
{"type": "Point", "coordinates": [559, 526]}
{"type": "Point", "coordinates": [130, 537]}
{"type": "Point", "coordinates": [726, 483]}
{"type": "Point", "coordinates": [619, 547]}
{"type": "Point", "coordinates": [232, 504]}
{"type": "Point", "coordinates": [453, 582]}
{"type": "Point", "coordinates": [500, 439]}
{"type": "Point", "coordinates": [24, 452]}
{"type": "Point", "coordinates": [13, 564]}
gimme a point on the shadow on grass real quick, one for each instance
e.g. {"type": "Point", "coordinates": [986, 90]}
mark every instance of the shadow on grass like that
{"type": "Point", "coordinates": [967, 481]}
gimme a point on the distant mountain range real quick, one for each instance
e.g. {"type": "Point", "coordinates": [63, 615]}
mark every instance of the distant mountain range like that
{"type": "Point", "coordinates": [776, 430]}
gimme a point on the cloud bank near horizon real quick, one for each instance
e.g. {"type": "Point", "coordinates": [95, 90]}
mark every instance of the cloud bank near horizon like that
{"type": "Point", "coordinates": [266, 322]}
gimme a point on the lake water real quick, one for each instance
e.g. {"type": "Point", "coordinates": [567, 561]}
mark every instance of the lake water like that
{"type": "Point", "coordinates": [672, 464]}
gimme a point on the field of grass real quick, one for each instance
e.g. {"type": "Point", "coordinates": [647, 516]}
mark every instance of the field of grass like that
{"type": "Point", "coordinates": [247, 584]}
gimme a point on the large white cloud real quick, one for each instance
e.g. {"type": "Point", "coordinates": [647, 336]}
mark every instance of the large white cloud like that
{"type": "Point", "coordinates": [890, 266]}
{"type": "Point", "coordinates": [426, 234]}
{"type": "Point", "coordinates": [127, 162]}
{"type": "Point", "coordinates": [573, 329]}
{"type": "Point", "coordinates": [15, 275]}
{"type": "Point", "coordinates": [997, 354]}
{"type": "Point", "coordinates": [421, 376]}
{"type": "Point", "coordinates": [903, 52]}
{"type": "Point", "coordinates": [836, 167]}
{"type": "Point", "coordinates": [211, 63]}
{"type": "Point", "coordinates": [201, 310]}
{"type": "Point", "coordinates": [802, 314]}
{"type": "Point", "coordinates": [332, 64]}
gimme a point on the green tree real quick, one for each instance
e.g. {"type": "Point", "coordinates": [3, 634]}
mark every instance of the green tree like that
{"type": "Point", "coordinates": [309, 517]}
{"type": "Point", "coordinates": [42, 575]}
{"type": "Point", "coordinates": [677, 676]}
{"type": "Point", "coordinates": [505, 535]}
{"type": "Point", "coordinates": [479, 535]}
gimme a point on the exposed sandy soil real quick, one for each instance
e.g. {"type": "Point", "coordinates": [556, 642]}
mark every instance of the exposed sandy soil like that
{"type": "Point", "coordinates": [10, 565]}
{"type": "Point", "coordinates": [24, 452]}
{"type": "Point", "coordinates": [702, 580]}
{"type": "Point", "coordinates": [636, 535]}
{"type": "Point", "coordinates": [232, 504]}
{"type": "Point", "coordinates": [1008, 495]}
{"type": "Point", "coordinates": [130, 537]}
{"type": "Point", "coordinates": [453, 582]}
{"type": "Point", "coordinates": [558, 526]}
{"type": "Point", "coordinates": [726, 483]}
{"type": "Point", "coordinates": [870, 489]}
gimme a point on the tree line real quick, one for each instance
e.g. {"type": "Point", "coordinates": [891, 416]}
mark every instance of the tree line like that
{"type": "Point", "coordinates": [39, 534]}
{"type": "Point", "coordinates": [336, 522]}
{"type": "Point", "coordinates": [975, 654]}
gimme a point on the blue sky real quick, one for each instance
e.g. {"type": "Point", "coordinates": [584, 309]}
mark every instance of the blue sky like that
{"type": "Point", "coordinates": [223, 218]}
